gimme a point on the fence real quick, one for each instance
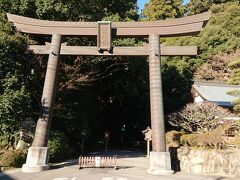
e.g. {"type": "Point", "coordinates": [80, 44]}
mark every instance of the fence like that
{"type": "Point", "coordinates": [99, 162]}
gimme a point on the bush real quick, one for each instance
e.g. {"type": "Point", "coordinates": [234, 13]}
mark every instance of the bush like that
{"type": "Point", "coordinates": [13, 158]}
{"type": "Point", "coordinates": [189, 140]}
{"type": "Point", "coordinates": [173, 138]}
{"type": "Point", "coordinates": [58, 146]}
{"type": "Point", "coordinates": [211, 140]}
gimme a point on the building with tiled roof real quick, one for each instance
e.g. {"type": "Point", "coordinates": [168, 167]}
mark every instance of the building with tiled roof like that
{"type": "Point", "coordinates": [216, 92]}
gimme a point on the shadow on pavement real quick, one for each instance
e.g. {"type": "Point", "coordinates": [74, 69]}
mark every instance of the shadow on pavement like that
{"type": "Point", "coordinates": [64, 164]}
{"type": "Point", "coordinates": [124, 167]}
{"type": "Point", "coordinates": [119, 154]}
{"type": "Point", "coordinates": [5, 177]}
{"type": "Point", "coordinates": [117, 168]}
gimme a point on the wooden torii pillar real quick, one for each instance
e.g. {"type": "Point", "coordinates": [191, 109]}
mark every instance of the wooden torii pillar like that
{"type": "Point", "coordinates": [37, 159]}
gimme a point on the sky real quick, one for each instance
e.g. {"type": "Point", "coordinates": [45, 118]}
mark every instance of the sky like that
{"type": "Point", "coordinates": [142, 2]}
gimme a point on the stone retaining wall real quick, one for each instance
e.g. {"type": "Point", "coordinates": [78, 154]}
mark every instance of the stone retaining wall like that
{"type": "Point", "coordinates": [210, 162]}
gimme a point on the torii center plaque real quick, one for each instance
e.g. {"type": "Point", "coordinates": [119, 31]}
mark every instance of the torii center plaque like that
{"type": "Point", "coordinates": [104, 31]}
{"type": "Point", "coordinates": [104, 37]}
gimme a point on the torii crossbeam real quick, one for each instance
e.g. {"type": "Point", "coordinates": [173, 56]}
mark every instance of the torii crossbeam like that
{"type": "Point", "coordinates": [37, 159]}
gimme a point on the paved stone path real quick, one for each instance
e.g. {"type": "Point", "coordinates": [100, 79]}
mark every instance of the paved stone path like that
{"type": "Point", "coordinates": [131, 166]}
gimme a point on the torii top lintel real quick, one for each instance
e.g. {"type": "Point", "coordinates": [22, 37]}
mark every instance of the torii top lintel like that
{"type": "Point", "coordinates": [190, 25]}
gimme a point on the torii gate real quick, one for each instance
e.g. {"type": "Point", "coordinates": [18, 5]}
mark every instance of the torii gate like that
{"type": "Point", "coordinates": [37, 158]}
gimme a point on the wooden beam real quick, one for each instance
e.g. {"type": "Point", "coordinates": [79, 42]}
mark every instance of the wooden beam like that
{"type": "Point", "coordinates": [117, 51]}
{"type": "Point", "coordinates": [178, 50]}
{"type": "Point", "coordinates": [173, 27]}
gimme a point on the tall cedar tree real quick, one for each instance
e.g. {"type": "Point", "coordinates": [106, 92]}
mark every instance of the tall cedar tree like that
{"type": "Point", "coordinates": [163, 9]}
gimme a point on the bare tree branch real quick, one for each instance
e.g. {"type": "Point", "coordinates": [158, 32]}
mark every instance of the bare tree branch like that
{"type": "Point", "coordinates": [199, 118]}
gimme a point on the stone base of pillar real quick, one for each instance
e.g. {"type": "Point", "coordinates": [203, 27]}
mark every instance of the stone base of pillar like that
{"type": "Point", "coordinates": [160, 163]}
{"type": "Point", "coordinates": [37, 160]}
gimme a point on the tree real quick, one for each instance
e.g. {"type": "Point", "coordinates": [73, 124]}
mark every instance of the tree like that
{"type": "Point", "coordinates": [199, 118]}
{"type": "Point", "coordinates": [96, 92]}
{"type": "Point", "coordinates": [104, 95]}
{"type": "Point", "coordinates": [216, 68]}
{"type": "Point", "coordinates": [200, 6]}
{"type": "Point", "coordinates": [15, 99]}
{"type": "Point", "coordinates": [176, 78]}
{"type": "Point", "coordinates": [221, 35]}
{"type": "Point", "coordinates": [85, 10]}
{"type": "Point", "coordinates": [163, 9]}
{"type": "Point", "coordinates": [88, 85]}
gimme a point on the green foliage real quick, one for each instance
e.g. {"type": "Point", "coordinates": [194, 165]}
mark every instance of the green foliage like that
{"type": "Point", "coordinates": [235, 80]}
{"type": "Point", "coordinates": [58, 146]}
{"type": "Point", "coordinates": [83, 108]}
{"type": "Point", "coordinates": [176, 78]}
{"type": "Point", "coordinates": [178, 84]}
{"type": "Point", "coordinates": [13, 159]}
{"type": "Point", "coordinates": [105, 94]}
{"type": "Point", "coordinates": [21, 7]}
{"type": "Point", "coordinates": [86, 10]}
{"type": "Point", "coordinates": [235, 67]}
{"type": "Point", "coordinates": [221, 33]}
{"type": "Point", "coordinates": [216, 67]}
{"type": "Point", "coordinates": [200, 6]}
{"type": "Point", "coordinates": [99, 93]}
{"type": "Point", "coordinates": [15, 101]}
{"type": "Point", "coordinates": [163, 9]}
{"type": "Point", "coordinates": [14, 107]}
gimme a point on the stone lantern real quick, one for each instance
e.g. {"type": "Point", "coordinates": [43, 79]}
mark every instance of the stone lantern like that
{"type": "Point", "coordinates": [148, 137]}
